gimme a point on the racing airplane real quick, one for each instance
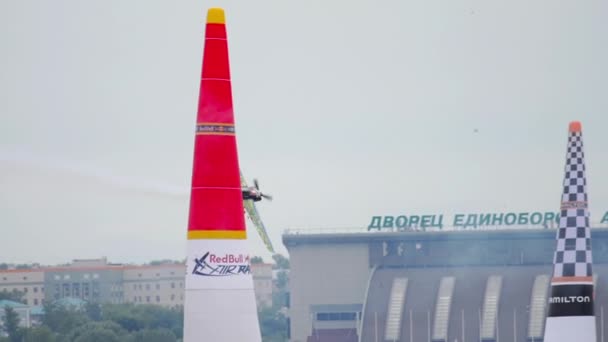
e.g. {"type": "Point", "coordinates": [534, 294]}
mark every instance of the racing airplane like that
{"type": "Point", "coordinates": [252, 194]}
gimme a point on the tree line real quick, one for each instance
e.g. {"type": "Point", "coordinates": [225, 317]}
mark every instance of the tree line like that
{"type": "Point", "coordinates": [98, 323]}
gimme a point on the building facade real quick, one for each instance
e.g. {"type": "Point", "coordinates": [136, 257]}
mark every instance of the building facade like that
{"type": "Point", "coordinates": [101, 284]}
{"type": "Point", "coordinates": [161, 285]}
{"type": "Point", "coordinates": [262, 283]}
{"type": "Point", "coordinates": [427, 286]}
{"type": "Point", "coordinates": [29, 282]}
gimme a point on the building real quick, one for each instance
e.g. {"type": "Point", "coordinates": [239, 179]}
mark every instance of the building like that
{"type": "Point", "coordinates": [96, 280]}
{"type": "Point", "coordinates": [262, 283]}
{"type": "Point", "coordinates": [30, 282]}
{"type": "Point", "coordinates": [466, 285]}
{"type": "Point", "coordinates": [97, 283]}
{"type": "Point", "coordinates": [161, 284]}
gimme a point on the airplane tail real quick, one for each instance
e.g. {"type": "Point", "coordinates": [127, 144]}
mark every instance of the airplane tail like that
{"type": "Point", "coordinates": [571, 314]}
{"type": "Point", "coordinates": [220, 302]}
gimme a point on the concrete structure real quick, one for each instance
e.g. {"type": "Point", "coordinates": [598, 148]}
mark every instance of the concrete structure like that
{"type": "Point", "coordinates": [328, 277]}
{"type": "Point", "coordinates": [103, 282]}
{"type": "Point", "coordinates": [161, 285]}
{"type": "Point", "coordinates": [96, 283]}
{"type": "Point", "coordinates": [30, 282]}
{"type": "Point", "coordinates": [420, 286]}
{"type": "Point", "coordinates": [262, 283]}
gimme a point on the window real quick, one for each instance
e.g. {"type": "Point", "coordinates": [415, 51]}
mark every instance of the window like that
{"type": "Point", "coordinates": [172, 285]}
{"type": "Point", "coordinates": [336, 316]}
{"type": "Point", "coordinates": [24, 278]}
{"type": "Point", "coordinates": [172, 297]}
{"type": "Point", "coordinates": [158, 286]}
{"type": "Point", "coordinates": [35, 301]}
{"type": "Point", "coordinates": [158, 299]}
{"type": "Point", "coordinates": [134, 286]}
{"type": "Point", "coordinates": [148, 287]}
{"type": "Point", "coordinates": [25, 289]}
{"type": "Point", "coordinates": [147, 299]}
{"type": "Point", "coordinates": [95, 290]}
{"type": "Point", "coordinates": [35, 290]}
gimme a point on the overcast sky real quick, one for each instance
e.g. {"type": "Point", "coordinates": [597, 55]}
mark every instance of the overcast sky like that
{"type": "Point", "coordinates": [344, 110]}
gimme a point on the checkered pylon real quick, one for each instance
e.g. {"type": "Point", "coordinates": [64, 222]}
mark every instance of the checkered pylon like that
{"type": "Point", "coordinates": [573, 253]}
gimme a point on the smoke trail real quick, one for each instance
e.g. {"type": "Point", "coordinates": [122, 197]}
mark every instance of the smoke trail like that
{"type": "Point", "coordinates": [95, 174]}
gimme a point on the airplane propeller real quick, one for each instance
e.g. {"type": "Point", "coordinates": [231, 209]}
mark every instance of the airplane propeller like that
{"type": "Point", "coordinates": [257, 186]}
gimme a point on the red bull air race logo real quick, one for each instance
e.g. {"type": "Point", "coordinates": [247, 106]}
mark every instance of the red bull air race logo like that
{"type": "Point", "coordinates": [212, 265]}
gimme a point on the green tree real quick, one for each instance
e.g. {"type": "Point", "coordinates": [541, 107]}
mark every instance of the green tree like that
{"type": "Point", "coordinates": [280, 262]}
{"type": "Point", "coordinates": [257, 260]}
{"type": "Point", "coordinates": [134, 318]}
{"type": "Point", "coordinates": [62, 320]}
{"type": "Point", "coordinates": [39, 334]}
{"type": "Point", "coordinates": [163, 262]}
{"type": "Point", "coordinates": [98, 335]}
{"type": "Point", "coordinates": [80, 331]}
{"type": "Point", "coordinates": [123, 315]}
{"type": "Point", "coordinates": [282, 280]}
{"type": "Point", "coordinates": [155, 335]}
{"type": "Point", "coordinates": [273, 325]}
{"type": "Point", "coordinates": [11, 324]}
{"type": "Point", "coordinates": [15, 296]}
{"type": "Point", "coordinates": [155, 316]}
{"type": "Point", "coordinates": [93, 311]}
{"type": "Point", "coordinates": [273, 322]}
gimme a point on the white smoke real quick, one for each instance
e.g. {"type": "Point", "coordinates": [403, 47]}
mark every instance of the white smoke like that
{"type": "Point", "coordinates": [95, 174]}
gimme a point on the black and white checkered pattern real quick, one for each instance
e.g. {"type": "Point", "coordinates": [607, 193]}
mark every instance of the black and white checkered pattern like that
{"type": "Point", "coordinates": [573, 253]}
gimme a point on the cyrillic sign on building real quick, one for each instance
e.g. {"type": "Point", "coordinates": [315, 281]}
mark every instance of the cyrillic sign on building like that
{"type": "Point", "coordinates": [466, 221]}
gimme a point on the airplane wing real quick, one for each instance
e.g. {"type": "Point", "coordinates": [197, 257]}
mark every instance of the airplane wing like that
{"type": "Point", "coordinates": [253, 214]}
{"type": "Point", "coordinates": [259, 225]}
{"type": "Point", "coordinates": [243, 182]}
